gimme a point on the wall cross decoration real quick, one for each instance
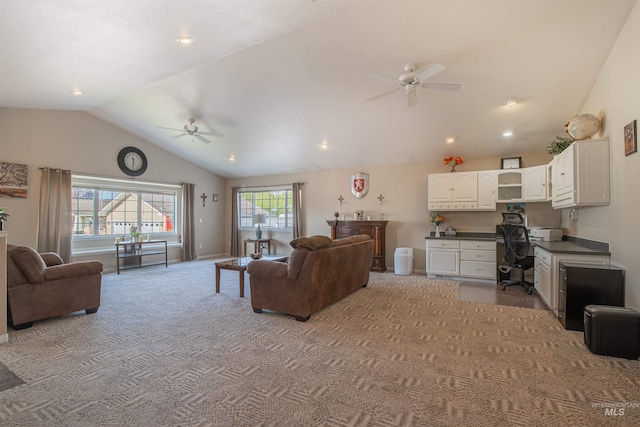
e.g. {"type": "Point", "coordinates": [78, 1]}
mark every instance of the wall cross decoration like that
{"type": "Point", "coordinates": [203, 197]}
{"type": "Point", "coordinates": [340, 199]}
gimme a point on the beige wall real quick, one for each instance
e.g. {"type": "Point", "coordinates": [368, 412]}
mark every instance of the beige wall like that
{"type": "Point", "coordinates": [85, 144]}
{"type": "Point", "coordinates": [616, 98]}
{"type": "Point", "coordinates": [404, 188]}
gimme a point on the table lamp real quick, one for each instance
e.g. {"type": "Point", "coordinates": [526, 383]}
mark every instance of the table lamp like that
{"type": "Point", "coordinates": [258, 219]}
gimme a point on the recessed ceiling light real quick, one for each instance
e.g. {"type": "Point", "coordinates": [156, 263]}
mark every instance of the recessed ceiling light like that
{"type": "Point", "coordinates": [185, 40]}
{"type": "Point", "coordinates": [324, 145]}
{"type": "Point", "coordinates": [450, 140]}
{"type": "Point", "coordinates": [77, 92]}
{"type": "Point", "coordinates": [512, 101]}
{"type": "Point", "coordinates": [232, 158]}
{"type": "Point", "coordinates": [507, 133]}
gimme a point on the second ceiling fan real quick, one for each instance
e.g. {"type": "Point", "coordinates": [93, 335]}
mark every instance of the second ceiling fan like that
{"type": "Point", "coordinates": [410, 81]}
{"type": "Point", "coordinates": [195, 132]}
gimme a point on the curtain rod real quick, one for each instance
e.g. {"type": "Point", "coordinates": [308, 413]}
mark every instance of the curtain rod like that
{"type": "Point", "coordinates": [268, 186]}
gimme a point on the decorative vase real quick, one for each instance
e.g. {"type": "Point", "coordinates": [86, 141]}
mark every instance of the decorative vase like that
{"type": "Point", "coordinates": [258, 233]}
{"type": "Point", "coordinates": [437, 234]}
{"type": "Point", "coordinates": [453, 169]}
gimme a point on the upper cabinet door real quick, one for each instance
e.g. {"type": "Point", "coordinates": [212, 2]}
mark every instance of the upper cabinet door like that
{"type": "Point", "coordinates": [465, 186]}
{"type": "Point", "coordinates": [535, 183]}
{"type": "Point", "coordinates": [487, 187]}
{"type": "Point", "coordinates": [440, 187]}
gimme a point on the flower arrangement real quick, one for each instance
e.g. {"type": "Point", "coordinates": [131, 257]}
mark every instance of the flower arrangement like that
{"type": "Point", "coordinates": [3, 215]}
{"type": "Point", "coordinates": [436, 218]}
{"type": "Point", "coordinates": [453, 161]}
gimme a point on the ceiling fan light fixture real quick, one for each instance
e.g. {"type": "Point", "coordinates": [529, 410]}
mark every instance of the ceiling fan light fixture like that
{"type": "Point", "coordinates": [185, 40]}
{"type": "Point", "coordinates": [512, 101]}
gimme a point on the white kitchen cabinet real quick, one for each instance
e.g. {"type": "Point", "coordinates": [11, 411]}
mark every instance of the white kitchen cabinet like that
{"type": "Point", "coordinates": [509, 186]}
{"type": "Point", "coordinates": [581, 175]}
{"type": "Point", "coordinates": [462, 258]}
{"type": "Point", "coordinates": [453, 191]}
{"type": "Point", "coordinates": [534, 181]}
{"type": "Point", "coordinates": [547, 272]}
{"type": "Point", "coordinates": [487, 190]}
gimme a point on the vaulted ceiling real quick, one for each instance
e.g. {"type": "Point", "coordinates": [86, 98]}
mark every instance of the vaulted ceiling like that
{"type": "Point", "coordinates": [287, 82]}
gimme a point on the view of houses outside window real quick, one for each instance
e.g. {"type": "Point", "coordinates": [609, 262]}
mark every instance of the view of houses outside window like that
{"type": "Point", "coordinates": [275, 205]}
{"type": "Point", "coordinates": [100, 212]}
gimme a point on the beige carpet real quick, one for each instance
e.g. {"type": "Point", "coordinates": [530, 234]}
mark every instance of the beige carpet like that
{"type": "Point", "coordinates": [166, 350]}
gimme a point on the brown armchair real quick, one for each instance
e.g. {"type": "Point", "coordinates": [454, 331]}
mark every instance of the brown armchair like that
{"type": "Point", "coordinates": [41, 286]}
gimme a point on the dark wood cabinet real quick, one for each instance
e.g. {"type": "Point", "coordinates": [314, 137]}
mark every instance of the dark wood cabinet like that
{"type": "Point", "coordinates": [374, 229]}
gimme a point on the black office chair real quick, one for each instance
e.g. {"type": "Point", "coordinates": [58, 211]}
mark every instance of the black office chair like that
{"type": "Point", "coordinates": [516, 254]}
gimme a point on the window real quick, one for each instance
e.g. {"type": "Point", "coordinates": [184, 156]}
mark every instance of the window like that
{"type": "Point", "coordinates": [108, 207]}
{"type": "Point", "coordinates": [276, 204]}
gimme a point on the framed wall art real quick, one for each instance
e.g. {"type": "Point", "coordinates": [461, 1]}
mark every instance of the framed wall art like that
{"type": "Point", "coordinates": [511, 163]}
{"type": "Point", "coordinates": [13, 180]}
{"type": "Point", "coordinates": [630, 138]}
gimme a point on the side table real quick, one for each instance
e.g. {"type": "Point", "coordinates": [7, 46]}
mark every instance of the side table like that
{"type": "Point", "coordinates": [257, 245]}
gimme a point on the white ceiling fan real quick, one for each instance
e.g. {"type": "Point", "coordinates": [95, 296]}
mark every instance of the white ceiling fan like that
{"type": "Point", "coordinates": [195, 132]}
{"type": "Point", "coordinates": [410, 81]}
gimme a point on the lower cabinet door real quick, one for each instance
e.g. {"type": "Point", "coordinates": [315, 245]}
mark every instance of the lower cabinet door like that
{"type": "Point", "coordinates": [442, 261]}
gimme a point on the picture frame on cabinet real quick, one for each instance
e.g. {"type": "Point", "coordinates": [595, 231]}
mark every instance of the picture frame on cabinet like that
{"type": "Point", "coordinates": [511, 163]}
{"type": "Point", "coordinates": [630, 138]}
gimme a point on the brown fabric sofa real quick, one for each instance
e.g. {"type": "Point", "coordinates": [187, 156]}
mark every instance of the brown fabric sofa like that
{"type": "Point", "coordinates": [318, 273]}
{"type": "Point", "coordinates": [41, 286]}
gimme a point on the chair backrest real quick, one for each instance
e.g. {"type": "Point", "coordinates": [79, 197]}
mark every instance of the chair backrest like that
{"type": "Point", "coordinates": [516, 241]}
{"type": "Point", "coordinates": [24, 265]}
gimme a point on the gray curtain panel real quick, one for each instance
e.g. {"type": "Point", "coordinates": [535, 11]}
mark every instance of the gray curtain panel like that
{"type": "Point", "coordinates": [235, 241]}
{"type": "Point", "coordinates": [188, 227]}
{"type": "Point", "coordinates": [55, 220]}
{"type": "Point", "coordinates": [298, 214]}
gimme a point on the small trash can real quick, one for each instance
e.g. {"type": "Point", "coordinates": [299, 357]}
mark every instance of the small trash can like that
{"type": "Point", "coordinates": [612, 331]}
{"type": "Point", "coordinates": [403, 261]}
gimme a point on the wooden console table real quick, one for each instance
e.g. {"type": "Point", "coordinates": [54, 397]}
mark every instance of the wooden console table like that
{"type": "Point", "coordinates": [374, 229]}
{"type": "Point", "coordinates": [131, 253]}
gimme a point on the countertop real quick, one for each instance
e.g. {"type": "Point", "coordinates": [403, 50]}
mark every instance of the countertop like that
{"type": "Point", "coordinates": [566, 247]}
{"type": "Point", "coordinates": [578, 247]}
{"type": "Point", "coordinates": [463, 236]}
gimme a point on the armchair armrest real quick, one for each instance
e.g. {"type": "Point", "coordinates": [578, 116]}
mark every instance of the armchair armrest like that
{"type": "Point", "coordinates": [268, 268]}
{"type": "Point", "coordinates": [75, 269]}
{"type": "Point", "coordinates": [51, 258]}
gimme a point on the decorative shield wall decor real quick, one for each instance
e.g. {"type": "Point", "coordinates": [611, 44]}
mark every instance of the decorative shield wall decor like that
{"type": "Point", "coordinates": [359, 184]}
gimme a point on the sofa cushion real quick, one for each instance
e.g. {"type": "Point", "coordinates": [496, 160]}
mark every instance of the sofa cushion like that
{"type": "Point", "coordinates": [295, 263]}
{"type": "Point", "coordinates": [30, 263]}
{"type": "Point", "coordinates": [311, 243]}
{"type": "Point", "coordinates": [349, 240]}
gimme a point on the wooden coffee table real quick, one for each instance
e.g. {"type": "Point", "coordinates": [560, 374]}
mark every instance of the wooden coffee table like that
{"type": "Point", "coordinates": [240, 265]}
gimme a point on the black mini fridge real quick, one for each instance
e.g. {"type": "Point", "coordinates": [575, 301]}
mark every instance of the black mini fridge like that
{"type": "Point", "coordinates": [584, 284]}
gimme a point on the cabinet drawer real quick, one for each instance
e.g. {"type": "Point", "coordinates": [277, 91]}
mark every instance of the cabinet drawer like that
{"type": "Point", "coordinates": [485, 270]}
{"type": "Point", "coordinates": [469, 255]}
{"type": "Point", "coordinates": [478, 245]}
{"type": "Point", "coordinates": [443, 244]}
{"type": "Point", "coordinates": [543, 256]}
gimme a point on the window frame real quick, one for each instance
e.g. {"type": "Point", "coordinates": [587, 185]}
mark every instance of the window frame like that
{"type": "Point", "coordinates": [288, 189]}
{"type": "Point", "coordinates": [87, 243]}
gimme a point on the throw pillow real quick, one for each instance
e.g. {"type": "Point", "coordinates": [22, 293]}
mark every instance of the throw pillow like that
{"type": "Point", "coordinates": [311, 243]}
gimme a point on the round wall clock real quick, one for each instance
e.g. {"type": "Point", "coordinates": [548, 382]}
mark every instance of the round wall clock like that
{"type": "Point", "coordinates": [132, 161]}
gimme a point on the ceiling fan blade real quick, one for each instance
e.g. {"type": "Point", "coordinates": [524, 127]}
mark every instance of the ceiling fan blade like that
{"type": "Point", "coordinates": [202, 138]}
{"type": "Point", "coordinates": [177, 130]}
{"type": "Point", "coordinates": [442, 86]}
{"type": "Point", "coordinates": [431, 71]}
{"type": "Point", "coordinates": [179, 136]}
{"type": "Point", "coordinates": [217, 134]}
{"type": "Point", "coordinates": [380, 76]}
{"type": "Point", "coordinates": [412, 98]}
{"type": "Point", "coordinates": [382, 94]}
